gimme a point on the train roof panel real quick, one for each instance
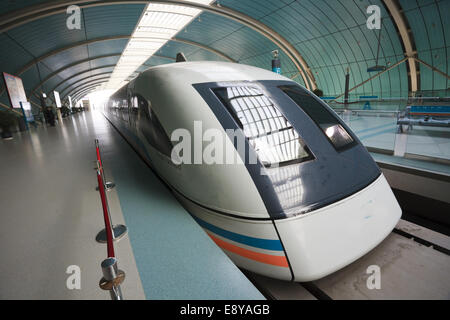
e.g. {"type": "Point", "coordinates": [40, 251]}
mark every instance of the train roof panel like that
{"type": "Point", "coordinates": [213, 71]}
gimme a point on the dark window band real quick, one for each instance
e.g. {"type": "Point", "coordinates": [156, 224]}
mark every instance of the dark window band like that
{"type": "Point", "coordinates": [327, 122]}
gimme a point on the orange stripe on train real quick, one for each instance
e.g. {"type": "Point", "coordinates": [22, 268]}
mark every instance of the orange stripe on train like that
{"type": "Point", "coordinates": [279, 261]}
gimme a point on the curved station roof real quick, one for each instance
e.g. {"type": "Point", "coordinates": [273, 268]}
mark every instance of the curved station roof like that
{"type": "Point", "coordinates": [318, 42]}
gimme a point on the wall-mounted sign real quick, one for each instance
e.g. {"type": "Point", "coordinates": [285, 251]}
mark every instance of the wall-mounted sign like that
{"type": "Point", "coordinates": [14, 87]}
{"type": "Point", "coordinates": [26, 105]}
{"type": "Point", "coordinates": [57, 99]}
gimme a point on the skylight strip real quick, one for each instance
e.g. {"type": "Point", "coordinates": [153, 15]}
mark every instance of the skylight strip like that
{"type": "Point", "coordinates": [158, 24]}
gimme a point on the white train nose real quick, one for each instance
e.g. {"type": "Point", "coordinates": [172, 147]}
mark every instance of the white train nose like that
{"type": "Point", "coordinates": [326, 240]}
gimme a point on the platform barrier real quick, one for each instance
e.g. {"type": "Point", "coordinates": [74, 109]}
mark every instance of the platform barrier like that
{"type": "Point", "coordinates": [112, 276]}
{"type": "Point", "coordinates": [108, 185]}
{"type": "Point", "coordinates": [426, 116]}
{"type": "Point", "coordinates": [118, 230]}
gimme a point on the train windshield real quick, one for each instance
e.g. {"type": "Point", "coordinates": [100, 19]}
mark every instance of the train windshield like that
{"type": "Point", "coordinates": [272, 136]}
{"type": "Point", "coordinates": [328, 123]}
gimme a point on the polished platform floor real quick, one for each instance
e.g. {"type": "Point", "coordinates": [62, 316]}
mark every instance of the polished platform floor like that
{"type": "Point", "coordinates": [51, 213]}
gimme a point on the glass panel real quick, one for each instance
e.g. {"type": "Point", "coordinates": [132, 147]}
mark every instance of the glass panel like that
{"type": "Point", "coordinates": [268, 131]}
{"type": "Point", "coordinates": [328, 122]}
{"type": "Point", "coordinates": [372, 119]}
{"type": "Point", "coordinates": [425, 129]}
{"type": "Point", "coordinates": [382, 123]}
{"type": "Point", "coordinates": [151, 128]}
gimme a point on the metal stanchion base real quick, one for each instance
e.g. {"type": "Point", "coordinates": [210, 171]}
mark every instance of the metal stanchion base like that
{"type": "Point", "coordinates": [108, 285]}
{"type": "Point", "coordinates": [119, 232]}
{"type": "Point", "coordinates": [112, 278]}
{"type": "Point", "coordinates": [108, 186]}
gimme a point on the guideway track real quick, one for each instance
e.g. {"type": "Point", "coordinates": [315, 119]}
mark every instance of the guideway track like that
{"type": "Point", "coordinates": [414, 263]}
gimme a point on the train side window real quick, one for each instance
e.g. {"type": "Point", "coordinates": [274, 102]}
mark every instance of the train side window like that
{"type": "Point", "coordinates": [115, 108]}
{"type": "Point", "coordinates": [151, 127]}
{"type": "Point", "coordinates": [271, 135]}
{"type": "Point", "coordinates": [124, 110]}
{"type": "Point", "coordinates": [327, 122]}
{"type": "Point", "coordinates": [133, 108]}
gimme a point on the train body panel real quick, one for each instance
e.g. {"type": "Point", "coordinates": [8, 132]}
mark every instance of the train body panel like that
{"type": "Point", "coordinates": [212, 185]}
{"type": "Point", "coordinates": [314, 200]}
{"type": "Point", "coordinates": [251, 244]}
{"type": "Point", "coordinates": [330, 238]}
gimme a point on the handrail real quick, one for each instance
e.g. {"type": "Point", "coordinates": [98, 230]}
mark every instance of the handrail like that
{"type": "Point", "coordinates": [18, 114]}
{"type": "Point", "coordinates": [374, 111]}
{"type": "Point", "coordinates": [112, 276]}
{"type": "Point", "coordinates": [97, 150]}
{"type": "Point", "coordinates": [108, 225]}
{"type": "Point", "coordinates": [10, 109]}
{"type": "Point", "coordinates": [108, 185]}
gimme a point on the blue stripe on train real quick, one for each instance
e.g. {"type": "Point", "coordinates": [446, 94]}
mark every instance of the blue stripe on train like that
{"type": "Point", "coordinates": [266, 244]}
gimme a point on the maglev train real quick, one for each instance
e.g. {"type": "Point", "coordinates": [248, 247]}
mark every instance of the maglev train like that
{"type": "Point", "coordinates": [304, 200]}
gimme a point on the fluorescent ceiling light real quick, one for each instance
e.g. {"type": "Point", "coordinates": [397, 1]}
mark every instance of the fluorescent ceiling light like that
{"type": "Point", "coordinates": [157, 25]}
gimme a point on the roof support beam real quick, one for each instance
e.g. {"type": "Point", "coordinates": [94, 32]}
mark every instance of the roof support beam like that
{"type": "Point", "coordinates": [94, 86]}
{"type": "Point", "coordinates": [202, 46]}
{"type": "Point", "coordinates": [373, 77]}
{"type": "Point", "coordinates": [31, 13]}
{"type": "Point", "coordinates": [94, 81]}
{"type": "Point", "coordinates": [71, 46]}
{"type": "Point", "coordinates": [67, 79]}
{"type": "Point", "coordinates": [87, 42]}
{"type": "Point", "coordinates": [433, 68]}
{"type": "Point", "coordinates": [78, 94]}
{"type": "Point", "coordinates": [401, 22]}
{"type": "Point", "coordinates": [55, 52]}
{"type": "Point", "coordinates": [91, 76]}
{"type": "Point", "coordinates": [83, 61]}
{"type": "Point", "coordinates": [70, 66]}
{"type": "Point", "coordinates": [82, 79]}
{"type": "Point", "coordinates": [77, 63]}
{"type": "Point", "coordinates": [76, 45]}
{"type": "Point", "coordinates": [84, 93]}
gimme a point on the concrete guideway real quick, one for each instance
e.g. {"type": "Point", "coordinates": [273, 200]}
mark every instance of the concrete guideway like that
{"type": "Point", "coordinates": [409, 270]}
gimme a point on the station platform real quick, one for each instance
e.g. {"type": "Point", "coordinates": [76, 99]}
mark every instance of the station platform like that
{"type": "Point", "coordinates": [379, 132]}
{"type": "Point", "coordinates": [43, 231]}
{"type": "Point", "coordinates": [413, 164]}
